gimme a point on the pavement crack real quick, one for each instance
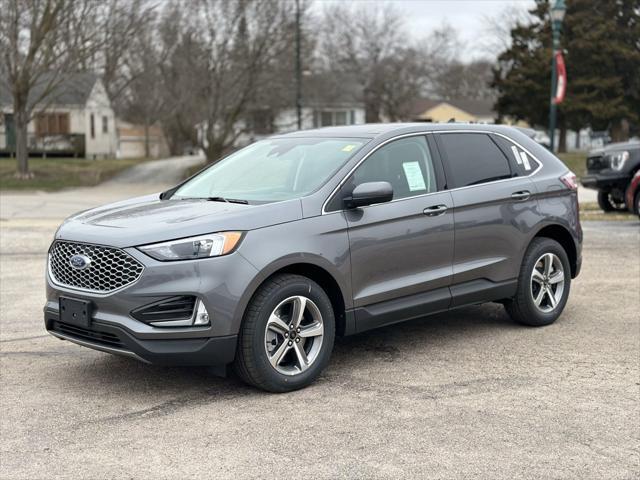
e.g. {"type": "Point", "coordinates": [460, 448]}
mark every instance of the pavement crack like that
{"type": "Point", "coordinates": [23, 338]}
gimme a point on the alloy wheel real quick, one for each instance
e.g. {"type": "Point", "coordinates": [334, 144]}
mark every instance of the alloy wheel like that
{"type": "Point", "coordinates": [293, 335]}
{"type": "Point", "coordinates": [547, 282]}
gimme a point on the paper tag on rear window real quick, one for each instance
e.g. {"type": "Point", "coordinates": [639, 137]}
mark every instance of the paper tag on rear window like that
{"type": "Point", "coordinates": [414, 176]}
{"type": "Point", "coordinates": [525, 160]}
{"type": "Point", "coordinates": [348, 148]}
{"type": "Point", "coordinates": [516, 154]}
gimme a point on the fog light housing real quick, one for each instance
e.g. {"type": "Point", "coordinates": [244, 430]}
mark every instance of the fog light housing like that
{"type": "Point", "coordinates": [202, 316]}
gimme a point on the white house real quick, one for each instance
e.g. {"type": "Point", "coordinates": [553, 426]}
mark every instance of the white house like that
{"type": "Point", "coordinates": [76, 119]}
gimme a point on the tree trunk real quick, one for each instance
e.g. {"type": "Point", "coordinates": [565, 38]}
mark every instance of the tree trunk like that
{"type": "Point", "coordinates": [147, 149]}
{"type": "Point", "coordinates": [21, 122]}
{"type": "Point", "coordinates": [562, 141]}
{"type": "Point", "coordinates": [620, 131]}
{"type": "Point", "coordinates": [214, 151]}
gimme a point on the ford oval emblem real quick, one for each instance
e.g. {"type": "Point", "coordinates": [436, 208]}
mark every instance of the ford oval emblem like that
{"type": "Point", "coordinates": [79, 262]}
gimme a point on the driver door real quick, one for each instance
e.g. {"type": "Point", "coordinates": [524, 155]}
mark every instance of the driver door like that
{"type": "Point", "coordinates": [402, 250]}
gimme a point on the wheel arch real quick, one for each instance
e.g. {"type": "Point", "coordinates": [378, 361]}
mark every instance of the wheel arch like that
{"type": "Point", "coordinates": [563, 236]}
{"type": "Point", "coordinates": [321, 274]}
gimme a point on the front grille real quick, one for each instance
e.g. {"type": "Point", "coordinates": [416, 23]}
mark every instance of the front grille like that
{"type": "Point", "coordinates": [80, 333]}
{"type": "Point", "coordinates": [110, 268]}
{"type": "Point", "coordinates": [173, 308]}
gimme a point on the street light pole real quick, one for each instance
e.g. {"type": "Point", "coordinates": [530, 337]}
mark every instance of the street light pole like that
{"type": "Point", "coordinates": [298, 68]}
{"type": "Point", "coordinates": [557, 15]}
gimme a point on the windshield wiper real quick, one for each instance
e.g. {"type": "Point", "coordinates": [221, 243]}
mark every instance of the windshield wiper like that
{"type": "Point", "coordinates": [227, 200]}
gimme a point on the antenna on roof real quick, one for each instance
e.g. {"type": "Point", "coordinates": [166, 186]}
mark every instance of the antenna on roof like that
{"type": "Point", "coordinates": [452, 120]}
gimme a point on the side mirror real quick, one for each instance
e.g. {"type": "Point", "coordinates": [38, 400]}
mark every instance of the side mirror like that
{"type": "Point", "coordinates": [368, 194]}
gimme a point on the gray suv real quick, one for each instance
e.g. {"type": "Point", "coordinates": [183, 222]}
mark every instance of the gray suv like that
{"type": "Point", "coordinates": [261, 259]}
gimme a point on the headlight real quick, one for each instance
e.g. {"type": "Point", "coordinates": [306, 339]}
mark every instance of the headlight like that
{"type": "Point", "coordinates": [203, 246]}
{"type": "Point", "coordinates": [618, 159]}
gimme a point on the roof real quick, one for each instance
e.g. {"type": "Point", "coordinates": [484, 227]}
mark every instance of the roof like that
{"type": "Point", "coordinates": [73, 90]}
{"type": "Point", "coordinates": [477, 108]}
{"type": "Point", "coordinates": [373, 130]}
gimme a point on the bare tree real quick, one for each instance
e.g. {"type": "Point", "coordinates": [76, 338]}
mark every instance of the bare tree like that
{"type": "Point", "coordinates": [496, 37]}
{"type": "Point", "coordinates": [42, 43]}
{"type": "Point", "coordinates": [231, 46]}
{"type": "Point", "coordinates": [363, 40]}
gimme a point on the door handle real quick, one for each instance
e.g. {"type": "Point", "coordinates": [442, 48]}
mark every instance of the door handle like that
{"type": "Point", "coordinates": [435, 210]}
{"type": "Point", "coordinates": [521, 195]}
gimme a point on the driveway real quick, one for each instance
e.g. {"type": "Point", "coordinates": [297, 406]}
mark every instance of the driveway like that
{"type": "Point", "coordinates": [467, 394]}
{"type": "Point", "coordinates": [47, 207]}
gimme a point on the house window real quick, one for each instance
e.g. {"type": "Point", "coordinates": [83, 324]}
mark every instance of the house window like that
{"type": "Point", "coordinates": [328, 118]}
{"type": "Point", "coordinates": [52, 124]}
{"type": "Point", "coordinates": [92, 122]}
{"type": "Point", "coordinates": [105, 124]}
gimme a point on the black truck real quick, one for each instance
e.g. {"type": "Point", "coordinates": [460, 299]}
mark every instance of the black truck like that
{"type": "Point", "coordinates": [609, 170]}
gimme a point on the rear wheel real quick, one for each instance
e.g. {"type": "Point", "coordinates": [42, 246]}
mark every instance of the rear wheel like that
{"type": "Point", "coordinates": [287, 334]}
{"type": "Point", "coordinates": [636, 202]}
{"type": "Point", "coordinates": [543, 284]}
{"type": "Point", "coordinates": [609, 203]}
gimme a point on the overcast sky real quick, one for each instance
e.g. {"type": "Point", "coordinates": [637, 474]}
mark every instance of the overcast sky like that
{"type": "Point", "coordinates": [467, 16]}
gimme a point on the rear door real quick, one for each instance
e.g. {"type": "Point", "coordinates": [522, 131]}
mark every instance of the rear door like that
{"type": "Point", "coordinates": [401, 251]}
{"type": "Point", "coordinates": [494, 207]}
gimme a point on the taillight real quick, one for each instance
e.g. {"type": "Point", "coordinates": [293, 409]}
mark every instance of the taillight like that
{"type": "Point", "coordinates": [570, 180]}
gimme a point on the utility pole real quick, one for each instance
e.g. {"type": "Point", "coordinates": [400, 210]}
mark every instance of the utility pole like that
{"type": "Point", "coordinates": [298, 67]}
{"type": "Point", "coordinates": [557, 15]}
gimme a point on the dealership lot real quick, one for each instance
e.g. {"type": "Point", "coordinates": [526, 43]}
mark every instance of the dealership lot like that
{"type": "Point", "coordinates": [466, 393]}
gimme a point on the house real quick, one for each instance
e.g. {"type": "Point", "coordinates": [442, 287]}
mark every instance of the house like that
{"type": "Point", "coordinates": [76, 119]}
{"type": "Point", "coordinates": [133, 141]}
{"type": "Point", "coordinates": [458, 110]}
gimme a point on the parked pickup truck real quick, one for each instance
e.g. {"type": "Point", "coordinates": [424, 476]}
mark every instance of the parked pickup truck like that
{"type": "Point", "coordinates": [610, 170]}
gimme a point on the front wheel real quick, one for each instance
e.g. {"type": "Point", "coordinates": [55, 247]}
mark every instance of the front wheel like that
{"type": "Point", "coordinates": [543, 284]}
{"type": "Point", "coordinates": [287, 334]}
{"type": "Point", "coordinates": [609, 203]}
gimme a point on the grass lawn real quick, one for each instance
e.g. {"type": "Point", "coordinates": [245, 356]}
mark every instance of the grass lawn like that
{"type": "Point", "coordinates": [58, 173]}
{"type": "Point", "coordinates": [576, 161]}
{"type": "Point", "coordinates": [591, 211]}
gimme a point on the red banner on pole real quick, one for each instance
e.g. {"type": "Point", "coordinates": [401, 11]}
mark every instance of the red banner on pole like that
{"type": "Point", "coordinates": [561, 82]}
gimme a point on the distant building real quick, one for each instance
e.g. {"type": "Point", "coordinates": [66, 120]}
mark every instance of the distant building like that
{"type": "Point", "coordinates": [133, 138]}
{"type": "Point", "coordinates": [76, 120]}
{"type": "Point", "coordinates": [458, 110]}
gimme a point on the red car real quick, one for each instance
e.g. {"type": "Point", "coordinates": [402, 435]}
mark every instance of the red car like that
{"type": "Point", "coordinates": [633, 194]}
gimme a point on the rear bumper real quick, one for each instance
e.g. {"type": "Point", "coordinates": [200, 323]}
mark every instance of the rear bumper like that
{"type": "Point", "coordinates": [209, 351]}
{"type": "Point", "coordinates": [605, 180]}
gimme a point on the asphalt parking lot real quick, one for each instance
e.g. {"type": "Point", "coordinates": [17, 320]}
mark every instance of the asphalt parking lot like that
{"type": "Point", "coordinates": [458, 395]}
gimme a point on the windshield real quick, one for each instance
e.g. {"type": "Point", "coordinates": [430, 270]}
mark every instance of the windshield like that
{"type": "Point", "coordinates": [272, 170]}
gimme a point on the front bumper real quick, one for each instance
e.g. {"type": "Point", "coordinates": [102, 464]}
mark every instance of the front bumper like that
{"type": "Point", "coordinates": [219, 283]}
{"type": "Point", "coordinates": [212, 351]}
{"type": "Point", "coordinates": [605, 180]}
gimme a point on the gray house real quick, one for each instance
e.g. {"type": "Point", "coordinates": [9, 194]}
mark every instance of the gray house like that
{"type": "Point", "coordinates": [75, 120]}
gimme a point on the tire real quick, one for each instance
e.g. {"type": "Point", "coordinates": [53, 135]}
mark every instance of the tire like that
{"type": "Point", "coordinates": [636, 203]}
{"type": "Point", "coordinates": [607, 203]}
{"type": "Point", "coordinates": [280, 296]}
{"type": "Point", "coordinates": [522, 307]}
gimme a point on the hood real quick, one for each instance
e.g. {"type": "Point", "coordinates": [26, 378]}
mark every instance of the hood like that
{"type": "Point", "coordinates": [616, 147]}
{"type": "Point", "coordinates": [148, 219]}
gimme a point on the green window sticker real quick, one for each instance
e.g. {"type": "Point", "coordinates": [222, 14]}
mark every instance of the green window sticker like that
{"type": "Point", "coordinates": [414, 176]}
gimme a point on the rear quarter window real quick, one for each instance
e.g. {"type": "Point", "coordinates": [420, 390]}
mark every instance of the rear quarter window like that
{"type": "Point", "coordinates": [521, 162]}
{"type": "Point", "coordinates": [473, 159]}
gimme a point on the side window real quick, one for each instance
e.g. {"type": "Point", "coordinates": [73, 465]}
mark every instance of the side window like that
{"type": "Point", "coordinates": [473, 158]}
{"type": "Point", "coordinates": [406, 164]}
{"type": "Point", "coordinates": [522, 163]}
